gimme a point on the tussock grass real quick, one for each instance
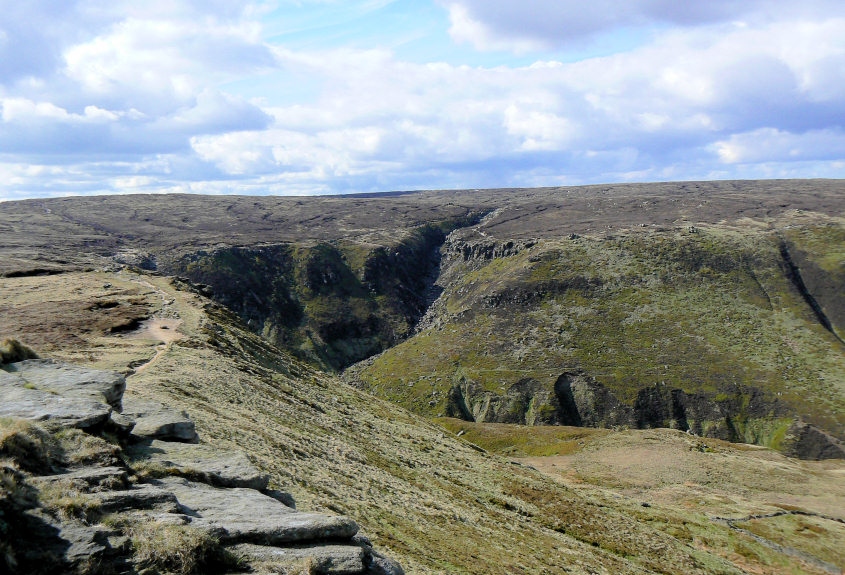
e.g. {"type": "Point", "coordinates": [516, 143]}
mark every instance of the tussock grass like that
{"type": "Point", "coordinates": [11, 351]}
{"type": "Point", "coordinates": [30, 446]}
{"type": "Point", "coordinates": [178, 549]}
{"type": "Point", "coordinates": [80, 448]}
{"type": "Point", "coordinates": [69, 502]}
{"type": "Point", "coordinates": [172, 547]}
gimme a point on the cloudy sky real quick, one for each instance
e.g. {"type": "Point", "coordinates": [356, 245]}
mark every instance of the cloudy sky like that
{"type": "Point", "coordinates": [324, 96]}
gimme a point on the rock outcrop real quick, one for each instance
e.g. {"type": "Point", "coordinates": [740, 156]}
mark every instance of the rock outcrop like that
{"type": "Point", "coordinates": [808, 442]}
{"type": "Point", "coordinates": [155, 421]}
{"type": "Point", "coordinates": [59, 394]}
{"type": "Point", "coordinates": [68, 380]}
{"type": "Point", "coordinates": [333, 304]}
{"type": "Point", "coordinates": [211, 508]}
{"type": "Point", "coordinates": [746, 415]}
{"type": "Point", "coordinates": [200, 462]}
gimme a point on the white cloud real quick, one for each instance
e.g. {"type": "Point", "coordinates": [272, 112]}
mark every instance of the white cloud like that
{"type": "Point", "coordinates": [537, 129]}
{"type": "Point", "coordinates": [465, 28]}
{"type": "Point", "coordinates": [671, 100]}
{"type": "Point", "coordinates": [542, 24]}
{"type": "Point", "coordinates": [773, 145]}
{"type": "Point", "coordinates": [144, 97]}
{"type": "Point", "coordinates": [124, 78]}
{"type": "Point", "coordinates": [157, 65]}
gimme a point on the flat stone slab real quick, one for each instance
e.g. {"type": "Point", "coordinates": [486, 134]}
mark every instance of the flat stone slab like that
{"type": "Point", "coordinates": [324, 559]}
{"type": "Point", "coordinates": [156, 421]}
{"type": "Point", "coordinates": [121, 423]}
{"type": "Point", "coordinates": [144, 496]}
{"type": "Point", "coordinates": [71, 380]}
{"type": "Point", "coordinates": [23, 400]}
{"type": "Point", "coordinates": [200, 462]}
{"type": "Point", "coordinates": [240, 515]}
{"type": "Point", "coordinates": [282, 497]}
{"type": "Point", "coordinates": [381, 565]}
{"type": "Point", "coordinates": [90, 478]}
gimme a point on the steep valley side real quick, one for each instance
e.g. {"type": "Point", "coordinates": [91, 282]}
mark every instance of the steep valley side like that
{"type": "Point", "coordinates": [714, 307]}
{"type": "Point", "coordinates": [709, 329]}
{"type": "Point", "coordinates": [331, 303]}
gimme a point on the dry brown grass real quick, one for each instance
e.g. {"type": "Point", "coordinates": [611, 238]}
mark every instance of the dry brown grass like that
{"type": "Point", "coordinates": [67, 501]}
{"type": "Point", "coordinates": [31, 447]}
{"type": "Point", "coordinates": [49, 319]}
{"type": "Point", "coordinates": [80, 448]}
{"type": "Point", "coordinates": [172, 548]}
{"type": "Point", "coordinates": [11, 351]}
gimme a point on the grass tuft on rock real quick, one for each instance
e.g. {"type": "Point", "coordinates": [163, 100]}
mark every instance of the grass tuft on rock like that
{"type": "Point", "coordinates": [11, 351]}
{"type": "Point", "coordinates": [176, 548]}
{"type": "Point", "coordinates": [31, 447]}
{"type": "Point", "coordinates": [81, 448]}
{"type": "Point", "coordinates": [66, 501]}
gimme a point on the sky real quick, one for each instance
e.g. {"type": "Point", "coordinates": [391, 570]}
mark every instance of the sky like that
{"type": "Point", "coordinates": [296, 97]}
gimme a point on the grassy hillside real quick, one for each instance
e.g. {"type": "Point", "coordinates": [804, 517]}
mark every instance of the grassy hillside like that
{"type": "Point", "coordinates": [714, 311]}
{"type": "Point", "coordinates": [434, 501]}
{"type": "Point", "coordinates": [684, 484]}
{"type": "Point", "coordinates": [711, 306]}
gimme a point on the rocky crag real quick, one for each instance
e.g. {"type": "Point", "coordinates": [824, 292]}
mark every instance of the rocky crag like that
{"type": "Point", "coordinates": [332, 303]}
{"type": "Point", "coordinates": [97, 482]}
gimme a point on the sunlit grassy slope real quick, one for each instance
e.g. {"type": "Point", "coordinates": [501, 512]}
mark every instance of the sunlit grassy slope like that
{"type": "Point", "coordinates": [681, 484]}
{"type": "Point", "coordinates": [710, 310]}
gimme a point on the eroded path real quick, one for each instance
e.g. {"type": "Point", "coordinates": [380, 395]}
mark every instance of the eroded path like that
{"type": "Point", "coordinates": [161, 329]}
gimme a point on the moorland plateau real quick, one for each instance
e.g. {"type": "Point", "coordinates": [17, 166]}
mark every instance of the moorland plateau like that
{"type": "Point", "coordinates": [488, 381]}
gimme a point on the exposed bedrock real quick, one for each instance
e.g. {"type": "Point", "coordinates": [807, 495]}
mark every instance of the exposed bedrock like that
{"type": "Point", "coordinates": [334, 303]}
{"type": "Point", "coordinates": [90, 510]}
{"type": "Point", "coordinates": [575, 398]}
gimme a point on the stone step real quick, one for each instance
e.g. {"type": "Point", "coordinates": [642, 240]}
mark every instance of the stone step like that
{"type": "Point", "coordinates": [156, 421]}
{"type": "Point", "coordinates": [199, 462]}
{"type": "Point", "coordinates": [143, 496]}
{"type": "Point", "coordinates": [322, 559]}
{"type": "Point", "coordinates": [90, 478]}
{"type": "Point", "coordinates": [239, 515]}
